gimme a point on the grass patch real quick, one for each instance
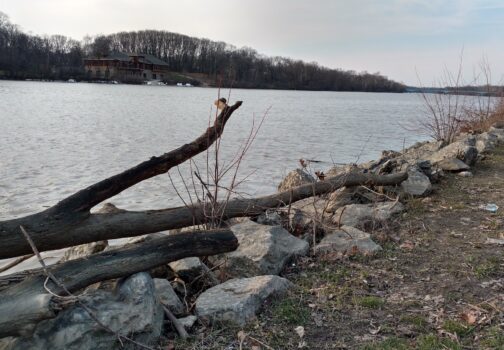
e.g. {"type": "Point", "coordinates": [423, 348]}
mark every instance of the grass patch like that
{"type": "Point", "coordinates": [488, 268]}
{"type": "Point", "coordinates": [458, 328]}
{"type": "Point", "coordinates": [416, 207]}
{"type": "Point", "coordinates": [388, 344]}
{"type": "Point", "coordinates": [290, 311]}
{"type": "Point", "coordinates": [369, 302]}
{"type": "Point", "coordinates": [419, 322]}
{"type": "Point", "coordinates": [433, 342]}
{"type": "Point", "coordinates": [493, 339]}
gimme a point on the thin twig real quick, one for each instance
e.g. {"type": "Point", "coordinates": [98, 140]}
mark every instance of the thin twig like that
{"type": "Point", "coordinates": [175, 322]}
{"type": "Point", "coordinates": [15, 262]}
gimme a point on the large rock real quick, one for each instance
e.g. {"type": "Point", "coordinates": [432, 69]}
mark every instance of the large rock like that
{"type": "Point", "coordinates": [499, 132]}
{"type": "Point", "coordinates": [420, 151]}
{"type": "Point", "coordinates": [306, 213]}
{"type": "Point", "coordinates": [348, 195]}
{"type": "Point", "coordinates": [262, 250]}
{"type": "Point", "coordinates": [365, 215]}
{"type": "Point", "coordinates": [295, 178]}
{"type": "Point", "coordinates": [132, 310]}
{"type": "Point", "coordinates": [238, 300]}
{"type": "Point", "coordinates": [168, 297]}
{"type": "Point", "coordinates": [485, 142]}
{"type": "Point", "coordinates": [452, 164]}
{"type": "Point", "coordinates": [464, 150]}
{"type": "Point", "coordinates": [417, 183]}
{"type": "Point", "coordinates": [347, 241]}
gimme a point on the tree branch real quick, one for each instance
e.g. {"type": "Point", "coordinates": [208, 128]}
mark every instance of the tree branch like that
{"type": "Point", "coordinates": [59, 234]}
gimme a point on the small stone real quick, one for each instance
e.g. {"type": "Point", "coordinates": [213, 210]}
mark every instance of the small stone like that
{"type": "Point", "coordinates": [189, 268]}
{"type": "Point", "coordinates": [188, 321]}
{"type": "Point", "coordinates": [465, 174]}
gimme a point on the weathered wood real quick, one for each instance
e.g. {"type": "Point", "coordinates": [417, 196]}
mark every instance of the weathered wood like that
{"type": "Point", "coordinates": [73, 210]}
{"type": "Point", "coordinates": [121, 224]}
{"type": "Point", "coordinates": [26, 303]}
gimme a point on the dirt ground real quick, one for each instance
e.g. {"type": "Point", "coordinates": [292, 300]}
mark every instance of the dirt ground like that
{"type": "Point", "coordinates": [435, 285]}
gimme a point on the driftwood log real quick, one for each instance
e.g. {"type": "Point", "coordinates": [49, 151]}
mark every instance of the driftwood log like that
{"type": "Point", "coordinates": [28, 302]}
{"type": "Point", "coordinates": [50, 233]}
{"type": "Point", "coordinates": [55, 227]}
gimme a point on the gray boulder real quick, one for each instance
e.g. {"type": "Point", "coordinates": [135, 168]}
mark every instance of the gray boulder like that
{"type": "Point", "coordinates": [132, 310]}
{"type": "Point", "coordinates": [364, 215]}
{"type": "Point", "coordinates": [464, 150]}
{"type": "Point", "coordinates": [347, 240]}
{"type": "Point", "coordinates": [262, 250]}
{"type": "Point", "coordinates": [485, 142]}
{"type": "Point", "coordinates": [498, 132]}
{"type": "Point", "coordinates": [167, 296]}
{"type": "Point", "coordinates": [295, 178]}
{"type": "Point", "coordinates": [238, 300]}
{"type": "Point", "coordinates": [348, 195]}
{"type": "Point", "coordinates": [452, 164]}
{"type": "Point", "coordinates": [306, 213]}
{"type": "Point", "coordinates": [417, 184]}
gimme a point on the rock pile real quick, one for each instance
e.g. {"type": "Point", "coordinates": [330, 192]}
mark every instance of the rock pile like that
{"type": "Point", "coordinates": [231, 287]}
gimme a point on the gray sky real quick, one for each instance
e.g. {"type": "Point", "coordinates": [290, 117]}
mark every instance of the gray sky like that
{"type": "Point", "coordinates": [395, 37]}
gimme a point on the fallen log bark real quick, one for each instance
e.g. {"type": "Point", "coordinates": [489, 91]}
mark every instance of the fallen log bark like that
{"type": "Point", "coordinates": [94, 227]}
{"type": "Point", "coordinates": [75, 209]}
{"type": "Point", "coordinates": [28, 302]}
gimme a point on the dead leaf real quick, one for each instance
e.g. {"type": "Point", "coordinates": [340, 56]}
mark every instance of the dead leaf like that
{"type": "Point", "coordinates": [300, 331]}
{"type": "Point", "coordinates": [170, 345]}
{"type": "Point", "coordinates": [470, 316]}
{"type": "Point", "coordinates": [241, 336]}
{"type": "Point", "coordinates": [375, 331]}
{"type": "Point", "coordinates": [407, 245]}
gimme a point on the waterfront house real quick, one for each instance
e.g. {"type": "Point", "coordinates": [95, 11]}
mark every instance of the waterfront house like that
{"type": "Point", "coordinates": [126, 67]}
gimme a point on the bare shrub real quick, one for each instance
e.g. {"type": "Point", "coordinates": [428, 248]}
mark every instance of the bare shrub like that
{"type": "Point", "coordinates": [455, 106]}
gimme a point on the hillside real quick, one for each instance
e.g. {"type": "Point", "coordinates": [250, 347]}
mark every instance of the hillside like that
{"type": "Point", "coordinates": [213, 63]}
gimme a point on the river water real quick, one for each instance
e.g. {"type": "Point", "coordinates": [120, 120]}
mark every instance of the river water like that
{"type": "Point", "coordinates": [57, 138]}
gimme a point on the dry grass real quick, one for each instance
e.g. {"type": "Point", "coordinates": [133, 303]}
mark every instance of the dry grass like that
{"type": "Point", "coordinates": [457, 111]}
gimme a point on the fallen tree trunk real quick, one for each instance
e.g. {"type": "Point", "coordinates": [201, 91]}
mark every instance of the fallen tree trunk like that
{"type": "Point", "coordinates": [26, 303]}
{"type": "Point", "coordinates": [95, 227]}
{"type": "Point", "coordinates": [74, 210]}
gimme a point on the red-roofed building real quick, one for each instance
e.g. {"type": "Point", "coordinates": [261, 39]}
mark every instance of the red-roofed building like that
{"type": "Point", "coordinates": [126, 67]}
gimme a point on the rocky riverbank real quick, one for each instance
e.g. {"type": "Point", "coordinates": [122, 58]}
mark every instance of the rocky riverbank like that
{"type": "Point", "coordinates": [375, 268]}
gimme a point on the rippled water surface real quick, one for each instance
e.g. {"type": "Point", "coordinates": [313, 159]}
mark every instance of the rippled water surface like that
{"type": "Point", "coordinates": [57, 138]}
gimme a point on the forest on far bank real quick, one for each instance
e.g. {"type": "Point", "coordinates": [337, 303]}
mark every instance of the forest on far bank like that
{"type": "Point", "coordinates": [57, 57]}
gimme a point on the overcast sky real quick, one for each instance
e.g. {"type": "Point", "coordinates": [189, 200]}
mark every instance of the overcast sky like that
{"type": "Point", "coordinates": [394, 37]}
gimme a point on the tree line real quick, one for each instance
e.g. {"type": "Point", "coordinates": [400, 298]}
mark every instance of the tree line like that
{"type": "Point", "coordinates": [25, 56]}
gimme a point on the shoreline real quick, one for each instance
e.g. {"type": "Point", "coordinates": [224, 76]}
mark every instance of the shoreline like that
{"type": "Point", "coordinates": [370, 218]}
